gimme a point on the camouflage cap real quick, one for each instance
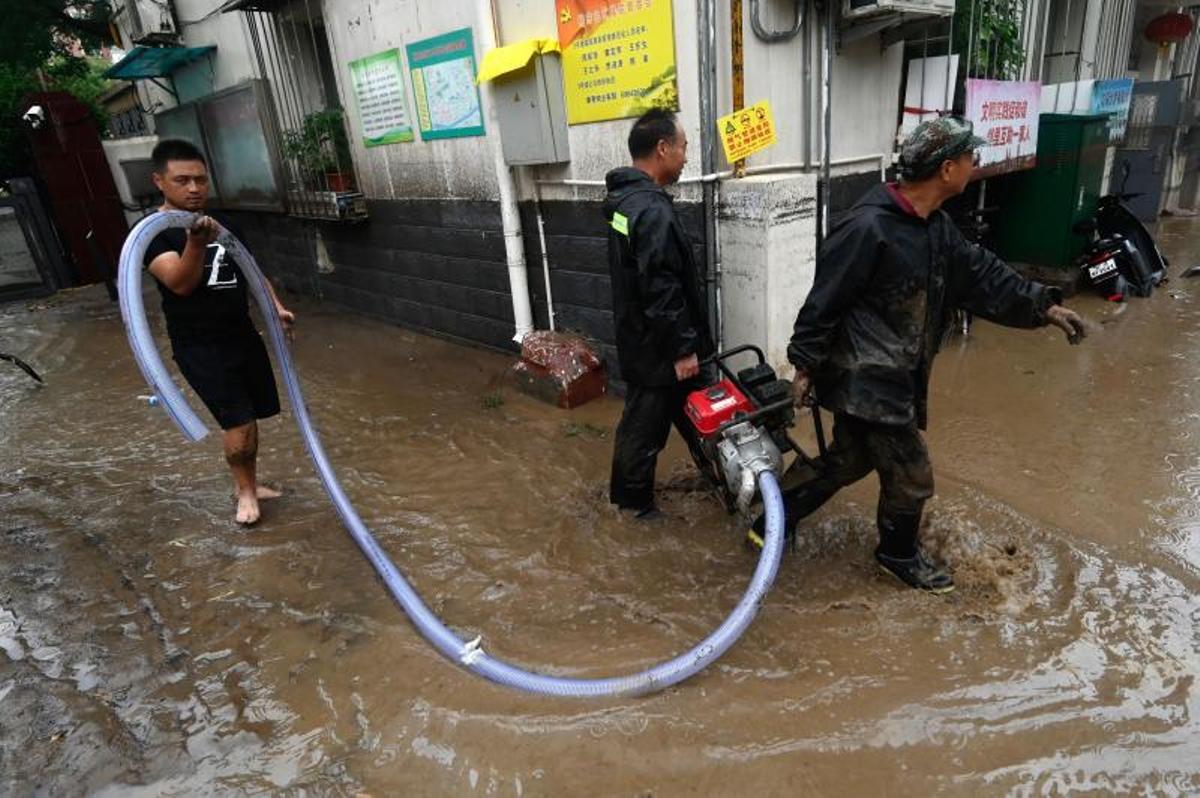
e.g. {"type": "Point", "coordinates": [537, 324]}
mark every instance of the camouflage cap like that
{"type": "Point", "coordinates": [934, 142]}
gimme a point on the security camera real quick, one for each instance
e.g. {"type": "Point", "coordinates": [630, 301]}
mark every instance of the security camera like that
{"type": "Point", "coordinates": [35, 117]}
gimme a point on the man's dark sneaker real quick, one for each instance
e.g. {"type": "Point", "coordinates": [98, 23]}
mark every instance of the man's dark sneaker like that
{"type": "Point", "coordinates": [917, 571]}
{"type": "Point", "coordinates": [649, 515]}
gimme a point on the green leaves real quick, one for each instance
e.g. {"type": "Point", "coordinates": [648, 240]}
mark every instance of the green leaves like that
{"type": "Point", "coordinates": [990, 31]}
{"type": "Point", "coordinates": [48, 35]}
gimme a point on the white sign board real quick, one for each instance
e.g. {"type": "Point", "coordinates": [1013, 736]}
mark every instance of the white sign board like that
{"type": "Point", "coordinates": [929, 92]}
{"type": "Point", "coordinates": [1005, 113]}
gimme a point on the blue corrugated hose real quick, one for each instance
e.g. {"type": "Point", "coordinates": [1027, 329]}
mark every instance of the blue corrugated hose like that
{"type": "Point", "coordinates": [468, 654]}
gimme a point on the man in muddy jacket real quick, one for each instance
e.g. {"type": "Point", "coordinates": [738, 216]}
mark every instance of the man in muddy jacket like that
{"type": "Point", "coordinates": [658, 307]}
{"type": "Point", "coordinates": [889, 277]}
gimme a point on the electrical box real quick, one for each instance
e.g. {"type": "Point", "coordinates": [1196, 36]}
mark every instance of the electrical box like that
{"type": "Point", "coordinates": [149, 22]}
{"type": "Point", "coordinates": [531, 110]}
{"type": "Point", "coordinates": [139, 174]}
{"type": "Point", "coordinates": [1040, 207]}
{"type": "Point", "coordinates": [855, 10]}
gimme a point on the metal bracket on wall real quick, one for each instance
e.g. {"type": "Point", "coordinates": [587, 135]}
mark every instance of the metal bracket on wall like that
{"type": "Point", "coordinates": [911, 28]}
{"type": "Point", "coordinates": [772, 36]}
{"type": "Point", "coordinates": [853, 33]}
{"type": "Point", "coordinates": [168, 89]}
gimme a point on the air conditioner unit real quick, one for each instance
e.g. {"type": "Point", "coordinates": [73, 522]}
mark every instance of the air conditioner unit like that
{"type": "Point", "coordinates": [854, 10]}
{"type": "Point", "coordinates": [150, 22]}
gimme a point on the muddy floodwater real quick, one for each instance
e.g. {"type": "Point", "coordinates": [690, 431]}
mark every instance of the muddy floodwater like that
{"type": "Point", "coordinates": [148, 646]}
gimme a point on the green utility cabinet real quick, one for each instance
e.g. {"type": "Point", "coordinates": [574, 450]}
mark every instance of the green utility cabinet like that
{"type": "Point", "coordinates": [1038, 208]}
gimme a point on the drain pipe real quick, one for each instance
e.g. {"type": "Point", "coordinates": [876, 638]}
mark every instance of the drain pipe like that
{"type": "Point", "coordinates": [806, 92]}
{"type": "Point", "coordinates": [541, 227]}
{"type": "Point", "coordinates": [827, 112]}
{"type": "Point", "coordinates": [708, 154]}
{"type": "Point", "coordinates": [514, 243]}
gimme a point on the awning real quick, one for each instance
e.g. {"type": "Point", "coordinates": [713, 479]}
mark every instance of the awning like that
{"type": "Point", "coordinates": [155, 62]}
{"type": "Point", "coordinates": [501, 60]}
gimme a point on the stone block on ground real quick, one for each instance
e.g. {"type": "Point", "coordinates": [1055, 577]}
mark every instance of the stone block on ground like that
{"type": "Point", "coordinates": [559, 368]}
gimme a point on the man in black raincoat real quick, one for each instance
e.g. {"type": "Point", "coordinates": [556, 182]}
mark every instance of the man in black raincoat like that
{"type": "Point", "coordinates": [662, 331]}
{"type": "Point", "coordinates": [889, 277]}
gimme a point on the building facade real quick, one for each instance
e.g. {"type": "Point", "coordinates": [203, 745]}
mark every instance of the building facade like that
{"type": "Point", "coordinates": [442, 234]}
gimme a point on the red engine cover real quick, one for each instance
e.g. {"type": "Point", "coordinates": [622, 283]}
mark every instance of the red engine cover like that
{"type": "Point", "coordinates": [711, 407]}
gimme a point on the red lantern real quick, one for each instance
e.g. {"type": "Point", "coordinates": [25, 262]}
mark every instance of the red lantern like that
{"type": "Point", "coordinates": [1172, 27]}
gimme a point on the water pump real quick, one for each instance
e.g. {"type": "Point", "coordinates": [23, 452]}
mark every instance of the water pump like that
{"type": "Point", "coordinates": [742, 422]}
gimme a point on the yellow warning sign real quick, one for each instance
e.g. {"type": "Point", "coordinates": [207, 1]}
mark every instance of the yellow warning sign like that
{"type": "Point", "coordinates": [747, 131]}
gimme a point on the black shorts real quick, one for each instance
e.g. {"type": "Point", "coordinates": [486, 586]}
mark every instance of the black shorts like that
{"type": "Point", "coordinates": [232, 377]}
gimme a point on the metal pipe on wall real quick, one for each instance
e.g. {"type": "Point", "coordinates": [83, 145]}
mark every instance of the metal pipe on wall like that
{"type": "Point", "coordinates": [718, 176]}
{"type": "Point", "coordinates": [737, 68]}
{"type": "Point", "coordinates": [541, 227]}
{"type": "Point", "coordinates": [707, 15]}
{"type": "Point", "coordinates": [1079, 56]}
{"type": "Point", "coordinates": [1042, 48]}
{"type": "Point", "coordinates": [970, 41]}
{"type": "Point", "coordinates": [772, 37]}
{"type": "Point", "coordinates": [514, 243]}
{"type": "Point", "coordinates": [806, 92]}
{"type": "Point", "coordinates": [827, 104]}
{"type": "Point", "coordinates": [814, 119]}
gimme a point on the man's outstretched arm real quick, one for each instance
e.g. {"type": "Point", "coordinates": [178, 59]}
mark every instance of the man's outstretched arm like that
{"type": "Point", "coordinates": [999, 294]}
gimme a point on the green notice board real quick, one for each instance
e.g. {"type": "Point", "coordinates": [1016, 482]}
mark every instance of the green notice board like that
{"type": "Point", "coordinates": [443, 78]}
{"type": "Point", "coordinates": [379, 94]}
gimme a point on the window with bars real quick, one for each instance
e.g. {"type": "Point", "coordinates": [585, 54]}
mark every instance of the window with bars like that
{"type": "Point", "coordinates": [292, 54]}
{"type": "Point", "coordinates": [128, 123]}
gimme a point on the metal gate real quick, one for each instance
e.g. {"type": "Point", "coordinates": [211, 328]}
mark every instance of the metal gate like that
{"type": "Point", "coordinates": [80, 190]}
{"type": "Point", "coordinates": [1149, 146]}
{"type": "Point", "coordinates": [25, 270]}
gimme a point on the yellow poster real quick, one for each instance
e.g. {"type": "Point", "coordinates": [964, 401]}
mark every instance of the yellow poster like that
{"type": "Point", "coordinates": [747, 131]}
{"type": "Point", "coordinates": [620, 59]}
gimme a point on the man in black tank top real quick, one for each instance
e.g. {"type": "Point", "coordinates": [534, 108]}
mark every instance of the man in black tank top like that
{"type": "Point", "coordinates": [204, 299]}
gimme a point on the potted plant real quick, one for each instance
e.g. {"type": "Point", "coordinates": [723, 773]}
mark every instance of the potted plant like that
{"type": "Point", "coordinates": [320, 150]}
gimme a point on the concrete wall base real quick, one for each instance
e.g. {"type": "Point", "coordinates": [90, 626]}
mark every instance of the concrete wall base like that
{"type": "Point", "coordinates": [768, 257]}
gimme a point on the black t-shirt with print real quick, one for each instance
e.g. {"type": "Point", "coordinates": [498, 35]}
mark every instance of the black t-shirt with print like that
{"type": "Point", "coordinates": [218, 308]}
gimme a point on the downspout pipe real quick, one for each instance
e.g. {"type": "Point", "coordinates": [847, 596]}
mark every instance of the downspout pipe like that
{"type": "Point", "coordinates": [827, 123]}
{"type": "Point", "coordinates": [707, 29]}
{"type": "Point", "coordinates": [510, 216]}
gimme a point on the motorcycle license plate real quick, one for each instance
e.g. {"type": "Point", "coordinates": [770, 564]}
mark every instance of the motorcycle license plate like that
{"type": "Point", "coordinates": [1102, 269]}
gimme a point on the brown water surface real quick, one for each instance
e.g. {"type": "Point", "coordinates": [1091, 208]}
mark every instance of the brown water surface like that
{"type": "Point", "coordinates": [149, 646]}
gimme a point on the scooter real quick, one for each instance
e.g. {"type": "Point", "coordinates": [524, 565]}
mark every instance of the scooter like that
{"type": "Point", "coordinates": [1123, 259]}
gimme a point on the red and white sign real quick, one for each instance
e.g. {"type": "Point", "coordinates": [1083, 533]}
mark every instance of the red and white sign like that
{"type": "Point", "coordinates": [1005, 113]}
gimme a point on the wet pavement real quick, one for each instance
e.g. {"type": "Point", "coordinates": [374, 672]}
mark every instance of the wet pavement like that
{"type": "Point", "coordinates": [149, 646]}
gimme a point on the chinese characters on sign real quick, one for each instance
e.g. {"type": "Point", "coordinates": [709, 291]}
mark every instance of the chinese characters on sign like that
{"type": "Point", "coordinates": [379, 93]}
{"type": "Point", "coordinates": [1005, 114]}
{"type": "Point", "coordinates": [443, 76]}
{"type": "Point", "coordinates": [1112, 97]}
{"type": "Point", "coordinates": [745, 132]}
{"type": "Point", "coordinates": [619, 58]}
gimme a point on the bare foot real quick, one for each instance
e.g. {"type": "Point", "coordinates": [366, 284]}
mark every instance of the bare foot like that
{"type": "Point", "coordinates": [263, 492]}
{"type": "Point", "coordinates": [247, 510]}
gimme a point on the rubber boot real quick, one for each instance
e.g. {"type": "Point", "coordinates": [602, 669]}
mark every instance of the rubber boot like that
{"type": "Point", "coordinates": [900, 554]}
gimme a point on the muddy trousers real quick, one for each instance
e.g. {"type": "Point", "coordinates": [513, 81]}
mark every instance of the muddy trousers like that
{"type": "Point", "coordinates": [641, 434]}
{"type": "Point", "coordinates": [897, 453]}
